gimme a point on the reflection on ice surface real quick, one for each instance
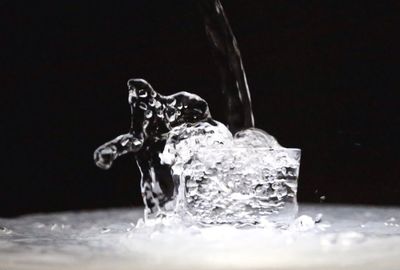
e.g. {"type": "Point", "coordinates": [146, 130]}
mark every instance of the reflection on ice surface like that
{"type": "Point", "coordinates": [359, 237]}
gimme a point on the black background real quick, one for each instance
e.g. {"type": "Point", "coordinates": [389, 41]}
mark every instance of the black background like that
{"type": "Point", "coordinates": [323, 76]}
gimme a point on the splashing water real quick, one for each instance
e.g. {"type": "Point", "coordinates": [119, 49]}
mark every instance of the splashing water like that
{"type": "Point", "coordinates": [153, 115]}
{"type": "Point", "coordinates": [192, 166]}
{"type": "Point", "coordinates": [239, 114]}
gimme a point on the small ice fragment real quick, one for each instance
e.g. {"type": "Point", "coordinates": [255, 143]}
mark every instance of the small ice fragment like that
{"type": "Point", "coordinates": [254, 137]}
{"type": "Point", "coordinates": [318, 218]}
{"type": "Point", "coordinates": [105, 230]}
{"type": "Point", "coordinates": [303, 223]}
{"type": "Point", "coordinates": [140, 223]}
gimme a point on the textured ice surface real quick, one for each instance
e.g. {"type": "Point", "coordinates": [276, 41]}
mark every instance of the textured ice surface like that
{"type": "Point", "coordinates": [242, 180]}
{"type": "Point", "coordinates": [348, 237]}
{"type": "Point", "coordinates": [241, 186]}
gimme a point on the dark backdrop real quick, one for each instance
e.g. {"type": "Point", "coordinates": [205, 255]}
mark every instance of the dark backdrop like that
{"type": "Point", "coordinates": [323, 77]}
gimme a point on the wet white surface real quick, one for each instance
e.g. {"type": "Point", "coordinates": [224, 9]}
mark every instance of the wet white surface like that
{"type": "Point", "coordinates": [349, 237]}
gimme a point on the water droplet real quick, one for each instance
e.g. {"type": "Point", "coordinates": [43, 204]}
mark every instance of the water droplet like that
{"type": "Point", "coordinates": [148, 114]}
{"type": "Point", "coordinates": [160, 114]}
{"type": "Point", "coordinates": [152, 102]}
{"type": "Point", "coordinates": [145, 124]}
{"type": "Point", "coordinates": [172, 102]}
{"type": "Point", "coordinates": [125, 142]}
{"type": "Point", "coordinates": [170, 114]}
{"type": "Point", "coordinates": [143, 106]}
{"type": "Point", "coordinates": [142, 93]}
{"type": "Point", "coordinates": [171, 118]}
{"type": "Point", "coordinates": [132, 96]}
{"type": "Point", "coordinates": [136, 142]}
{"type": "Point", "coordinates": [158, 104]}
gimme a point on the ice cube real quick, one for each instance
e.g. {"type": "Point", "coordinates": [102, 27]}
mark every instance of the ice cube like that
{"type": "Point", "coordinates": [239, 186]}
{"type": "Point", "coordinates": [238, 181]}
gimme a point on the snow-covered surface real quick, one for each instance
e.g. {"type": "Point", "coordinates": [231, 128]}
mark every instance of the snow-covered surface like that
{"type": "Point", "coordinates": [351, 237]}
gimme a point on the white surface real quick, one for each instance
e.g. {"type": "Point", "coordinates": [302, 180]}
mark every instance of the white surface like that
{"type": "Point", "coordinates": [348, 237]}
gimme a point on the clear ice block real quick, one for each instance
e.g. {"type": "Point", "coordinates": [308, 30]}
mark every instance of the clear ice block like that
{"type": "Point", "coordinates": [225, 179]}
{"type": "Point", "coordinates": [240, 186]}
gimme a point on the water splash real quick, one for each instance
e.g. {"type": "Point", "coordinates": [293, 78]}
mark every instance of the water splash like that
{"type": "Point", "coordinates": [153, 116]}
{"type": "Point", "coordinates": [225, 49]}
{"type": "Point", "coordinates": [183, 121]}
